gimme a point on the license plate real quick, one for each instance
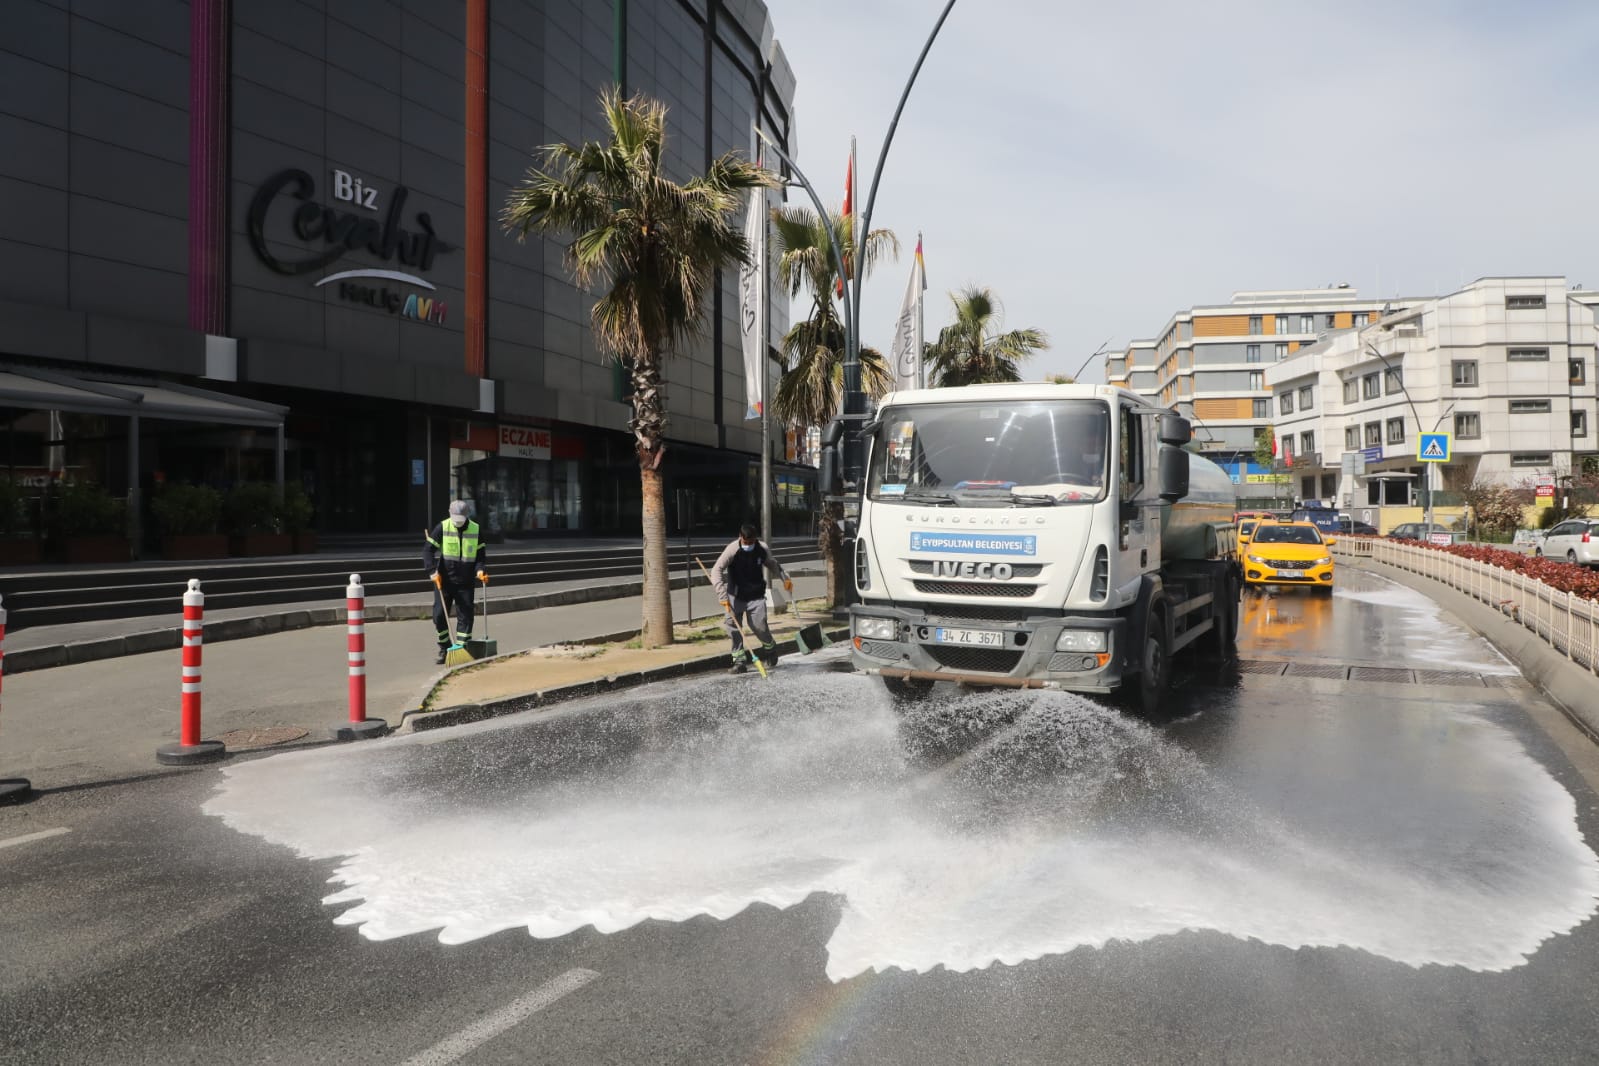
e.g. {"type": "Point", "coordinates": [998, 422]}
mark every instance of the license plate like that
{"type": "Point", "coordinates": [982, 638]}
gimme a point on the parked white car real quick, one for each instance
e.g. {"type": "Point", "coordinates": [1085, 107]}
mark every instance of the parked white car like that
{"type": "Point", "coordinates": [1575, 540]}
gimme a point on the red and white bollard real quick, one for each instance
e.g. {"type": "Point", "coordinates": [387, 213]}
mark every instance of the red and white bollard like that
{"type": "Point", "coordinates": [190, 748]}
{"type": "Point", "coordinates": [359, 727]}
{"type": "Point", "coordinates": [12, 789]}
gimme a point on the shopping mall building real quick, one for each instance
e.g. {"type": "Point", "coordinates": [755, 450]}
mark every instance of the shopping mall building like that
{"type": "Point", "coordinates": [240, 237]}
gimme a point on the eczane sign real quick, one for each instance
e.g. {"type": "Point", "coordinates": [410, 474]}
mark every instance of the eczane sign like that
{"type": "Point", "coordinates": [524, 442]}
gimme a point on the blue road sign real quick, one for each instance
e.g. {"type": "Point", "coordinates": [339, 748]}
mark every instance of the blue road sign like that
{"type": "Point", "coordinates": [1434, 448]}
{"type": "Point", "coordinates": [1373, 454]}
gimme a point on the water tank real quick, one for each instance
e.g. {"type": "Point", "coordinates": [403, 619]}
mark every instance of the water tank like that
{"type": "Point", "coordinates": [1190, 526]}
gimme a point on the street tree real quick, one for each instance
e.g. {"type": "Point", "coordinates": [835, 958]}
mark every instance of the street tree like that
{"type": "Point", "coordinates": [811, 392]}
{"type": "Point", "coordinates": [972, 350]}
{"type": "Point", "coordinates": [649, 248]}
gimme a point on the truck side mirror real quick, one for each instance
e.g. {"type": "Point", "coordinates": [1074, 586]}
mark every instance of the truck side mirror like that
{"type": "Point", "coordinates": [827, 471]}
{"type": "Point", "coordinates": [1174, 429]}
{"type": "Point", "coordinates": [1173, 474]}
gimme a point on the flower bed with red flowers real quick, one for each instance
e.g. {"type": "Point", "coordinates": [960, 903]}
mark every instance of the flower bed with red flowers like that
{"type": "Point", "coordinates": [1560, 576]}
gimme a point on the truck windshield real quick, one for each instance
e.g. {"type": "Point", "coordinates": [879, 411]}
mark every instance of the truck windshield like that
{"type": "Point", "coordinates": [978, 455]}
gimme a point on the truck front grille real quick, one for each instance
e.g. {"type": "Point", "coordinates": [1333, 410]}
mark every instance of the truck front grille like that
{"type": "Point", "coordinates": [988, 660]}
{"type": "Point", "coordinates": [926, 566]}
{"type": "Point", "coordinates": [972, 588]}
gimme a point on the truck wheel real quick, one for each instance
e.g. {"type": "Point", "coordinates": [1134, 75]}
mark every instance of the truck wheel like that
{"type": "Point", "coordinates": [1224, 637]}
{"type": "Point", "coordinates": [907, 690]}
{"type": "Point", "coordinates": [1148, 689]}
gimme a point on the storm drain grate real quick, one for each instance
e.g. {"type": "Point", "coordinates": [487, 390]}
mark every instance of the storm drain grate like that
{"type": "Point", "coordinates": [1390, 674]}
{"type": "Point", "coordinates": [1326, 670]}
{"type": "Point", "coordinates": [1260, 666]}
{"type": "Point", "coordinates": [1501, 680]}
{"type": "Point", "coordinates": [1448, 677]}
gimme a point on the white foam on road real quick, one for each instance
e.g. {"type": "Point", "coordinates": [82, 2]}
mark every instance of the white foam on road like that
{"type": "Point", "coordinates": [1430, 638]}
{"type": "Point", "coordinates": [1073, 827]}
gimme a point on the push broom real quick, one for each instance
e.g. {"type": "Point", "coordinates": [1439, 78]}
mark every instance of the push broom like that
{"type": "Point", "coordinates": [457, 655]}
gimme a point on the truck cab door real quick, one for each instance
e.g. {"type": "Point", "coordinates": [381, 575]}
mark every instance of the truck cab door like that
{"type": "Point", "coordinates": [1138, 517]}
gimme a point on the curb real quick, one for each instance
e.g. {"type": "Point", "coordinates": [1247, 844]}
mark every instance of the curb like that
{"type": "Point", "coordinates": [165, 639]}
{"type": "Point", "coordinates": [419, 721]}
{"type": "Point", "coordinates": [1570, 687]}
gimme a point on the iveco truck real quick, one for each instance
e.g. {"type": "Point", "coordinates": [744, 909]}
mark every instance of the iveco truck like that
{"type": "Point", "coordinates": [1038, 536]}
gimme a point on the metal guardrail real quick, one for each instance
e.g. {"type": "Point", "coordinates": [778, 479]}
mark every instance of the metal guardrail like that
{"type": "Point", "coordinates": [1569, 623]}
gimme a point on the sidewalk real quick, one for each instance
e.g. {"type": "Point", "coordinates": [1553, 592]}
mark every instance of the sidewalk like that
{"type": "Point", "coordinates": [40, 647]}
{"type": "Point", "coordinates": [103, 720]}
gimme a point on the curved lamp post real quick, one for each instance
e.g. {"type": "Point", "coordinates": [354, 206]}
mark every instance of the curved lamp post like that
{"type": "Point", "coordinates": [1417, 415]}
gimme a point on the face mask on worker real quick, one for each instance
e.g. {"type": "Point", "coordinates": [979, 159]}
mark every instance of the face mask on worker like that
{"type": "Point", "coordinates": [458, 520]}
{"type": "Point", "coordinates": [746, 547]}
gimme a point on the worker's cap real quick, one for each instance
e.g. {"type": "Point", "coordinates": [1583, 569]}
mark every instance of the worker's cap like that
{"type": "Point", "coordinates": [459, 507]}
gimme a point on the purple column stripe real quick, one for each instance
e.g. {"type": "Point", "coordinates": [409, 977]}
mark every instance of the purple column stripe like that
{"type": "Point", "coordinates": [208, 155]}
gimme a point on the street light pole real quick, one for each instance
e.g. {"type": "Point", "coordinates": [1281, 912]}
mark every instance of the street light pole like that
{"type": "Point", "coordinates": [1405, 391]}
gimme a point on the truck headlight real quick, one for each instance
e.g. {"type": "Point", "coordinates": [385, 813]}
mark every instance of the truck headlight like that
{"type": "Point", "coordinates": [1080, 640]}
{"type": "Point", "coordinates": [876, 628]}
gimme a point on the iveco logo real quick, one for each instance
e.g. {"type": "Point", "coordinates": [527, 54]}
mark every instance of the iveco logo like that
{"type": "Point", "coordinates": [988, 571]}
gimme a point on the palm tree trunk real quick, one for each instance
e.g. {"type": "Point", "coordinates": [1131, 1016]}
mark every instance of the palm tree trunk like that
{"type": "Point", "coordinates": [830, 541]}
{"type": "Point", "coordinates": [649, 430]}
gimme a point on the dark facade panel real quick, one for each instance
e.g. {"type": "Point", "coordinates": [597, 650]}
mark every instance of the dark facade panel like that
{"type": "Point", "coordinates": [145, 345]}
{"type": "Point", "coordinates": [290, 22]}
{"type": "Point", "coordinates": [360, 101]}
{"type": "Point", "coordinates": [122, 176]}
{"type": "Point", "coordinates": [362, 150]}
{"type": "Point", "coordinates": [527, 398]}
{"type": "Point", "coordinates": [32, 90]}
{"type": "Point", "coordinates": [129, 121]}
{"type": "Point", "coordinates": [509, 361]}
{"type": "Point", "coordinates": [447, 388]}
{"type": "Point", "coordinates": [129, 63]}
{"type": "Point", "coordinates": [25, 327]}
{"type": "Point", "coordinates": [278, 363]}
{"type": "Point", "coordinates": [431, 346]}
{"type": "Point", "coordinates": [361, 333]}
{"type": "Point", "coordinates": [34, 153]}
{"type": "Point", "coordinates": [141, 239]}
{"type": "Point", "coordinates": [265, 60]}
{"type": "Point", "coordinates": [386, 378]}
{"type": "Point", "coordinates": [133, 292]}
{"type": "Point", "coordinates": [271, 114]}
{"type": "Point", "coordinates": [163, 24]}
{"type": "Point", "coordinates": [360, 52]}
{"type": "Point", "coordinates": [37, 30]}
{"type": "Point", "coordinates": [33, 214]}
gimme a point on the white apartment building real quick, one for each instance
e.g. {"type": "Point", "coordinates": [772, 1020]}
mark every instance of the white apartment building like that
{"type": "Point", "coordinates": [1210, 362]}
{"type": "Point", "coordinates": [1506, 366]}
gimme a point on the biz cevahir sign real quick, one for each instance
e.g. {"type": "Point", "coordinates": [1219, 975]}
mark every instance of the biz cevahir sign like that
{"type": "Point", "coordinates": [974, 543]}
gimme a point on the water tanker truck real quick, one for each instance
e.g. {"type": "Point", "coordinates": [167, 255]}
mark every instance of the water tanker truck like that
{"type": "Point", "coordinates": [1037, 536]}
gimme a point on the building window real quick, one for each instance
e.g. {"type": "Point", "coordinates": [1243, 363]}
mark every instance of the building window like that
{"type": "Point", "coordinates": [1307, 397]}
{"type": "Point", "coordinates": [1531, 458]}
{"type": "Point", "coordinates": [1351, 438]}
{"type": "Point", "coordinates": [1255, 327]}
{"type": "Point", "coordinates": [1281, 352]}
{"type": "Point", "coordinates": [1285, 403]}
{"type": "Point", "coordinates": [1468, 426]}
{"type": "Point", "coordinates": [1579, 423]}
{"type": "Point", "coordinates": [1257, 379]}
{"type": "Point", "coordinates": [1529, 407]}
{"type": "Point", "coordinates": [1579, 372]}
{"type": "Point", "coordinates": [1351, 391]}
{"type": "Point", "coordinates": [1251, 353]}
{"type": "Point", "coordinates": [1307, 443]}
{"type": "Point", "coordinates": [1394, 380]}
{"type": "Point", "coordinates": [1396, 431]}
{"type": "Point", "coordinates": [1373, 434]}
{"type": "Point", "coordinates": [1369, 386]}
{"type": "Point", "coordinates": [1528, 355]}
{"type": "Point", "coordinates": [1307, 323]}
{"type": "Point", "coordinates": [1524, 303]}
{"type": "Point", "coordinates": [1280, 323]}
{"type": "Point", "coordinates": [1288, 446]}
{"type": "Point", "coordinates": [1361, 318]}
{"type": "Point", "coordinates": [1262, 409]}
{"type": "Point", "coordinates": [1465, 373]}
{"type": "Point", "coordinates": [1331, 320]}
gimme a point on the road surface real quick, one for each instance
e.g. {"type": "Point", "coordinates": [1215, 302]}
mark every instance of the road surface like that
{"type": "Point", "coordinates": [1366, 844]}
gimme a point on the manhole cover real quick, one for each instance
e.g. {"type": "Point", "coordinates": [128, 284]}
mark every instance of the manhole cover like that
{"type": "Point", "coordinates": [1327, 670]}
{"type": "Point", "coordinates": [1381, 673]}
{"type": "Point", "coordinates": [1448, 677]}
{"type": "Point", "coordinates": [245, 739]}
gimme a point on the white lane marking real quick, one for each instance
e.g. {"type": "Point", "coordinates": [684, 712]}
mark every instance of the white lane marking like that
{"type": "Point", "coordinates": [29, 838]}
{"type": "Point", "coordinates": [482, 1031]}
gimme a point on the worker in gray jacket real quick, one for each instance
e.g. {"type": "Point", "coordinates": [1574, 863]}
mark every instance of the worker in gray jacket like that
{"type": "Point", "coordinates": [739, 578]}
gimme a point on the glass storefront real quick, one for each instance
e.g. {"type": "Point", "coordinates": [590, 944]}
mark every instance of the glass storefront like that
{"type": "Point", "coordinates": [512, 497]}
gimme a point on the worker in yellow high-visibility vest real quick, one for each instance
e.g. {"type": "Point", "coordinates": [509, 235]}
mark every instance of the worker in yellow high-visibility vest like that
{"type": "Point", "coordinates": [454, 558]}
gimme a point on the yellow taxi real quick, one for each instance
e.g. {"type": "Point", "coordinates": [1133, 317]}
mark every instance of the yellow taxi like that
{"type": "Point", "coordinates": [1289, 553]}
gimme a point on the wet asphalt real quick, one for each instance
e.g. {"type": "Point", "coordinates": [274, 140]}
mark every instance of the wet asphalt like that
{"type": "Point", "coordinates": [1361, 843]}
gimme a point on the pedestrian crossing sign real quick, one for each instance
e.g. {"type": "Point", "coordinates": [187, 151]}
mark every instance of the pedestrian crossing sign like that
{"type": "Point", "coordinates": [1434, 448]}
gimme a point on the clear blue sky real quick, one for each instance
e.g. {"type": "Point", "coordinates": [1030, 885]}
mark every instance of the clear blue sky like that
{"type": "Point", "coordinates": [1101, 166]}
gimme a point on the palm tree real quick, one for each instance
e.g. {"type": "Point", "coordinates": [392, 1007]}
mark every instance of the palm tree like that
{"type": "Point", "coordinates": [812, 391]}
{"type": "Point", "coordinates": [972, 351]}
{"type": "Point", "coordinates": [654, 247]}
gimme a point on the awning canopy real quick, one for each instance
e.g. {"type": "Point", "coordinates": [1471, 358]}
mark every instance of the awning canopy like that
{"type": "Point", "coordinates": [92, 394]}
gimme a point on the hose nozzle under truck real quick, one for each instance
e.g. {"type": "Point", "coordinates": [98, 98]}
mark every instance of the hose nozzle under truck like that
{"type": "Point", "coordinates": [1038, 536]}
